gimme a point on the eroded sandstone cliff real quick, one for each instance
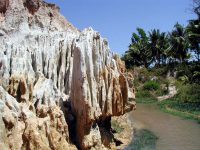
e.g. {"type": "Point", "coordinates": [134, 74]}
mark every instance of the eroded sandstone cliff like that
{"type": "Point", "coordinates": [58, 86]}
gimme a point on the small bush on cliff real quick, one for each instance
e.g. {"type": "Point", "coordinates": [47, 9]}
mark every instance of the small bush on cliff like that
{"type": "Point", "coordinates": [151, 85]}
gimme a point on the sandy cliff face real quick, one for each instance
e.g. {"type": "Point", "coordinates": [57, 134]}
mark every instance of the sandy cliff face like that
{"type": "Point", "coordinates": [57, 85]}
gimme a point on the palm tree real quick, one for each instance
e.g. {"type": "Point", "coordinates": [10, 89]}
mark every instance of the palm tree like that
{"type": "Point", "coordinates": [158, 43]}
{"type": "Point", "coordinates": [153, 44]}
{"type": "Point", "coordinates": [179, 43]}
{"type": "Point", "coordinates": [164, 46]}
{"type": "Point", "coordinates": [193, 34]}
{"type": "Point", "coordinates": [196, 7]}
{"type": "Point", "coordinates": [138, 53]}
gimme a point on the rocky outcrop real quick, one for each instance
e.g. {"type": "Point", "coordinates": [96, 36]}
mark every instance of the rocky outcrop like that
{"type": "Point", "coordinates": [99, 87]}
{"type": "Point", "coordinates": [58, 85]}
{"type": "Point", "coordinates": [3, 5]}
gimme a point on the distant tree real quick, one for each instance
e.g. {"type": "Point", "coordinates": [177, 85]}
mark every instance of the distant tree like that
{"type": "Point", "coordinates": [164, 46]}
{"type": "Point", "coordinates": [193, 33]}
{"type": "Point", "coordinates": [179, 43]}
{"type": "Point", "coordinates": [138, 53]}
{"type": "Point", "coordinates": [196, 7]}
{"type": "Point", "coordinates": [158, 44]}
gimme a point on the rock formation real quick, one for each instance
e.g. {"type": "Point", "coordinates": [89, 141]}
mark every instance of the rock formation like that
{"type": "Point", "coordinates": [58, 86]}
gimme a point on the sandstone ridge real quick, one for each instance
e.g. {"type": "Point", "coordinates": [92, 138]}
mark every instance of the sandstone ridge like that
{"type": "Point", "coordinates": [59, 87]}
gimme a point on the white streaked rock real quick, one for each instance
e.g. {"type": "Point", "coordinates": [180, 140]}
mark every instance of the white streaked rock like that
{"type": "Point", "coordinates": [46, 62]}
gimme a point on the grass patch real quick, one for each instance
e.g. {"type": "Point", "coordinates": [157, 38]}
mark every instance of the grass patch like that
{"type": "Point", "coordinates": [143, 140]}
{"type": "Point", "coordinates": [115, 126]}
{"type": "Point", "coordinates": [144, 96]}
{"type": "Point", "coordinates": [184, 110]}
{"type": "Point", "coordinates": [146, 100]}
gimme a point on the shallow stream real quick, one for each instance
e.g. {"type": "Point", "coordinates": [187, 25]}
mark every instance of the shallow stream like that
{"type": "Point", "coordinates": [174, 133]}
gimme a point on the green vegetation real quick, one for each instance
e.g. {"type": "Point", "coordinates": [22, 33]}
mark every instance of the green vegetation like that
{"type": "Point", "coordinates": [146, 100]}
{"type": "Point", "coordinates": [144, 96]}
{"type": "Point", "coordinates": [174, 51]}
{"type": "Point", "coordinates": [148, 85]}
{"type": "Point", "coordinates": [186, 102]}
{"type": "Point", "coordinates": [116, 126]}
{"type": "Point", "coordinates": [156, 48]}
{"type": "Point", "coordinates": [189, 93]}
{"type": "Point", "coordinates": [143, 140]}
{"type": "Point", "coordinates": [184, 110]}
{"type": "Point", "coordinates": [162, 60]}
{"type": "Point", "coordinates": [151, 85]}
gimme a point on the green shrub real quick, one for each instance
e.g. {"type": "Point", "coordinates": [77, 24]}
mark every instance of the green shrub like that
{"type": "Point", "coordinates": [189, 93]}
{"type": "Point", "coordinates": [161, 71]}
{"type": "Point", "coordinates": [145, 96]}
{"type": "Point", "coordinates": [184, 79]}
{"type": "Point", "coordinates": [143, 93]}
{"type": "Point", "coordinates": [151, 85]}
{"type": "Point", "coordinates": [196, 77]}
{"type": "Point", "coordinates": [142, 74]}
{"type": "Point", "coordinates": [190, 70]}
{"type": "Point", "coordinates": [161, 92]}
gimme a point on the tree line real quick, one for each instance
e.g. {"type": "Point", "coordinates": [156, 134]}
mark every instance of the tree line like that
{"type": "Point", "coordinates": [156, 48]}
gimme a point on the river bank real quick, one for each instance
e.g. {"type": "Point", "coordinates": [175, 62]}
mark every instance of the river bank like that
{"type": "Point", "coordinates": [183, 110]}
{"type": "Point", "coordinates": [173, 132]}
{"type": "Point", "coordinates": [130, 135]}
{"type": "Point", "coordinates": [123, 130]}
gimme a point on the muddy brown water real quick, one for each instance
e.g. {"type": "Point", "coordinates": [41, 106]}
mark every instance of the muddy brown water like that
{"type": "Point", "coordinates": [174, 133]}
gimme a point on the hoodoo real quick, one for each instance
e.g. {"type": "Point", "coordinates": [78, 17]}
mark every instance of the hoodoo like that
{"type": "Point", "coordinates": [58, 86]}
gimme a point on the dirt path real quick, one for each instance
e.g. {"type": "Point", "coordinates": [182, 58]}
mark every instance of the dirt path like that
{"type": "Point", "coordinates": [172, 93]}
